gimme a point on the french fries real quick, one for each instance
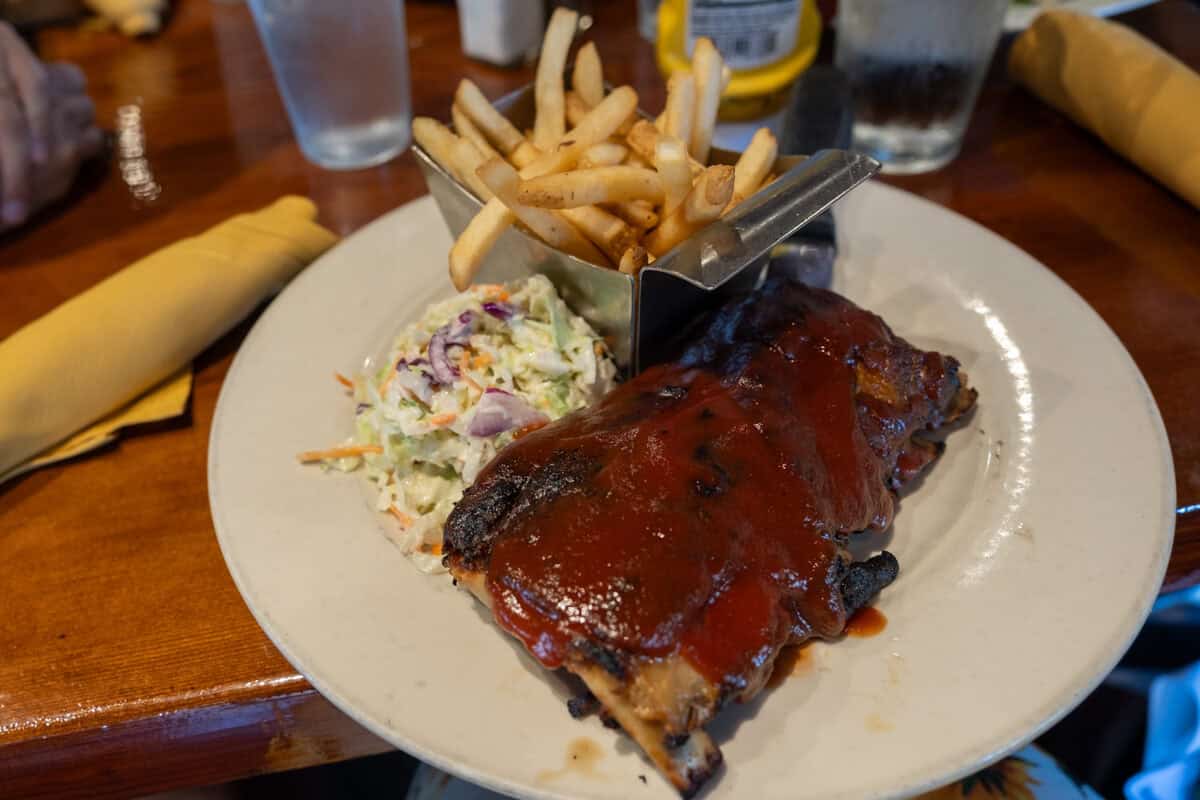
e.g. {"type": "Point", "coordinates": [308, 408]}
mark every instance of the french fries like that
{"type": "Point", "coordinates": [592, 177]}
{"type": "Point", "coordinates": [605, 154]}
{"type": "Point", "coordinates": [643, 139]}
{"type": "Point", "coordinates": [681, 106]}
{"type": "Point", "coordinates": [550, 122]}
{"type": "Point", "coordinates": [524, 155]}
{"type": "Point", "coordinates": [704, 203]}
{"type": "Point", "coordinates": [586, 187]}
{"type": "Point", "coordinates": [588, 78]}
{"type": "Point", "coordinates": [611, 234]}
{"type": "Point", "coordinates": [633, 259]}
{"type": "Point", "coordinates": [467, 129]}
{"type": "Point", "coordinates": [638, 213]}
{"type": "Point", "coordinates": [670, 159]}
{"type": "Point", "coordinates": [556, 231]}
{"type": "Point", "coordinates": [753, 165]}
{"type": "Point", "coordinates": [468, 251]}
{"type": "Point", "coordinates": [575, 108]}
{"type": "Point", "coordinates": [599, 124]}
{"type": "Point", "coordinates": [706, 69]}
{"type": "Point", "coordinates": [633, 159]}
{"type": "Point", "coordinates": [439, 142]}
{"type": "Point", "coordinates": [458, 155]}
{"type": "Point", "coordinates": [708, 196]}
{"type": "Point", "coordinates": [468, 159]}
{"type": "Point", "coordinates": [494, 125]}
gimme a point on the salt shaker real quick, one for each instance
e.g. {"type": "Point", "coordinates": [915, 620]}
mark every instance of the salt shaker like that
{"type": "Point", "coordinates": [501, 32]}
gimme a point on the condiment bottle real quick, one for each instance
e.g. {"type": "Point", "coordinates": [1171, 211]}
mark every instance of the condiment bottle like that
{"type": "Point", "coordinates": [766, 44]}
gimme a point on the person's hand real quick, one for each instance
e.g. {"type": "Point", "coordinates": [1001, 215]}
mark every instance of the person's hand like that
{"type": "Point", "coordinates": [46, 129]}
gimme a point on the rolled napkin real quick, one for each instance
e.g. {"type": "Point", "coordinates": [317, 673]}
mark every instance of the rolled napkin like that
{"type": "Point", "coordinates": [131, 17]}
{"type": "Point", "coordinates": [167, 400]}
{"type": "Point", "coordinates": [1132, 94]}
{"type": "Point", "coordinates": [103, 348]}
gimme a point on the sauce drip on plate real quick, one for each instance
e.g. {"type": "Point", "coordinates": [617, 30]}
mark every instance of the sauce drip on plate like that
{"type": "Point", "coordinates": [866, 622]}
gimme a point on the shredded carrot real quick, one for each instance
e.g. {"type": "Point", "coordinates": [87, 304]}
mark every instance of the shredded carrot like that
{"type": "Point", "coordinates": [471, 382]}
{"type": "Point", "coordinates": [432, 549]}
{"type": "Point", "coordinates": [443, 419]}
{"type": "Point", "coordinates": [383, 387]}
{"type": "Point", "coordinates": [310, 456]}
{"type": "Point", "coordinates": [492, 291]}
{"type": "Point", "coordinates": [530, 428]}
{"type": "Point", "coordinates": [464, 363]}
{"type": "Point", "coordinates": [405, 519]}
{"type": "Point", "coordinates": [343, 380]}
{"type": "Point", "coordinates": [482, 360]}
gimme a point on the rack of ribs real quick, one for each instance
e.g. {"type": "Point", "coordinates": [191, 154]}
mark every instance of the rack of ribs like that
{"type": "Point", "coordinates": [666, 543]}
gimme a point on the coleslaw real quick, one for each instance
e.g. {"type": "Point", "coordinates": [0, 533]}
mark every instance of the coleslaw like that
{"type": "Point", "coordinates": [474, 373]}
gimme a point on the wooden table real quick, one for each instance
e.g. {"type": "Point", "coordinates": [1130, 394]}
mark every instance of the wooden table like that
{"type": "Point", "coordinates": [128, 662]}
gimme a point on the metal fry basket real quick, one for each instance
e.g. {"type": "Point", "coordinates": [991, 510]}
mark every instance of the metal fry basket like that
{"type": "Point", "coordinates": [638, 316]}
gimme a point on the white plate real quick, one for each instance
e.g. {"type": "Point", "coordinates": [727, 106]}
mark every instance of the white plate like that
{"type": "Point", "coordinates": [1029, 556]}
{"type": "Point", "coordinates": [1019, 15]}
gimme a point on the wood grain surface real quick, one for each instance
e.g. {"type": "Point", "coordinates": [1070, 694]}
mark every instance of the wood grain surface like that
{"type": "Point", "coordinates": [128, 662]}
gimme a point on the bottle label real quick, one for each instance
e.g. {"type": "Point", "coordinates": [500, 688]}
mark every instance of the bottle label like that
{"type": "Point", "coordinates": [749, 33]}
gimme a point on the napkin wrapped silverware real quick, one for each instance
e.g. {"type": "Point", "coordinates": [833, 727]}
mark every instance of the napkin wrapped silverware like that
{"type": "Point", "coordinates": [138, 328]}
{"type": "Point", "coordinates": [1140, 100]}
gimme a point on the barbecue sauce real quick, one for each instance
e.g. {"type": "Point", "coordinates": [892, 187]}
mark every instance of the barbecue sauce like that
{"type": "Point", "coordinates": [866, 622]}
{"type": "Point", "coordinates": [706, 525]}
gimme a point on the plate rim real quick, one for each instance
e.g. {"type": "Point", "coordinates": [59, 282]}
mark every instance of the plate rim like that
{"type": "Point", "coordinates": [1047, 714]}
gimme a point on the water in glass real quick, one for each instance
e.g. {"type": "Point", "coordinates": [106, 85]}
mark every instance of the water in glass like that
{"type": "Point", "coordinates": [342, 69]}
{"type": "Point", "coordinates": [915, 68]}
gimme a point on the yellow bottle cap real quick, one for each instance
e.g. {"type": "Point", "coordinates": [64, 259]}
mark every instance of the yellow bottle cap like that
{"type": "Point", "coordinates": [747, 83]}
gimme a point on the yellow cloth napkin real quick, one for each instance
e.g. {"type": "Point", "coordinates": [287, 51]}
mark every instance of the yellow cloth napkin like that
{"type": "Point", "coordinates": [1139, 99]}
{"type": "Point", "coordinates": [131, 17]}
{"type": "Point", "coordinates": [167, 400]}
{"type": "Point", "coordinates": [102, 349]}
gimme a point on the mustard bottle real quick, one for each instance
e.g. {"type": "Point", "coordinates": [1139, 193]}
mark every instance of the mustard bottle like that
{"type": "Point", "coordinates": [766, 44]}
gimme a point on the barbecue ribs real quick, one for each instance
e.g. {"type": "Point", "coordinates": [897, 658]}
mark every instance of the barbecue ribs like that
{"type": "Point", "coordinates": [666, 543]}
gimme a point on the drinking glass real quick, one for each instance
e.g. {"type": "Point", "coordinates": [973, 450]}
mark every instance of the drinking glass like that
{"type": "Point", "coordinates": [648, 19]}
{"type": "Point", "coordinates": [342, 69]}
{"type": "Point", "coordinates": [915, 68]}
